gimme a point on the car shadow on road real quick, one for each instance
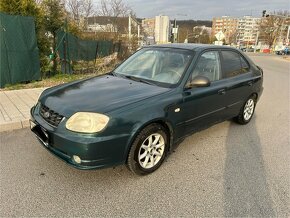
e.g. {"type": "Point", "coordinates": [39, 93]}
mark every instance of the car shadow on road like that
{"type": "Point", "coordinates": [246, 192]}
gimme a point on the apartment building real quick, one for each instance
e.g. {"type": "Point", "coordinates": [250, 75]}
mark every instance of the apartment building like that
{"type": "Point", "coordinates": [247, 30]}
{"type": "Point", "coordinates": [162, 29]}
{"type": "Point", "coordinates": [242, 30]}
{"type": "Point", "coordinates": [228, 25]}
{"type": "Point", "coordinates": [156, 30]}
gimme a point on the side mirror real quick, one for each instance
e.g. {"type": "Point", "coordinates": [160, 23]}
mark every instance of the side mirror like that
{"type": "Point", "coordinates": [199, 81]}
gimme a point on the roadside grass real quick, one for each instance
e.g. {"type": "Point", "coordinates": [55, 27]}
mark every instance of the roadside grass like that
{"type": "Point", "coordinates": [81, 70]}
{"type": "Point", "coordinates": [57, 79]}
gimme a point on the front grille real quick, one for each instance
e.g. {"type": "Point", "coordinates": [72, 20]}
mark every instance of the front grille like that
{"type": "Point", "coordinates": [50, 116]}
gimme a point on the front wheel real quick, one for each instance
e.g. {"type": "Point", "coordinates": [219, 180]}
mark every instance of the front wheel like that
{"type": "Point", "coordinates": [247, 111]}
{"type": "Point", "coordinates": [148, 150]}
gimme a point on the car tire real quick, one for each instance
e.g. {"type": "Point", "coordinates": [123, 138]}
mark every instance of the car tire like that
{"type": "Point", "coordinates": [247, 111]}
{"type": "Point", "coordinates": [148, 150]}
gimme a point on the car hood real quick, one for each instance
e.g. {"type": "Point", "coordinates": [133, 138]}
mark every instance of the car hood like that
{"type": "Point", "coordinates": [99, 94]}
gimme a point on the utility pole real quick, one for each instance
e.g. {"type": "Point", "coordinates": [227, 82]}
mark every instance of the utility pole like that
{"type": "Point", "coordinates": [129, 27]}
{"type": "Point", "coordinates": [256, 41]}
{"type": "Point", "coordinates": [174, 31]}
{"type": "Point", "coordinates": [287, 38]}
{"type": "Point", "coordinates": [177, 34]}
{"type": "Point", "coordinates": [281, 30]}
{"type": "Point", "coordinates": [186, 40]}
{"type": "Point", "coordinates": [138, 34]}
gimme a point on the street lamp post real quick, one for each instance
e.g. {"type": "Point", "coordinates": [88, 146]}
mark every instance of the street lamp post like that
{"type": "Point", "coordinates": [256, 42]}
{"type": "Point", "coordinates": [175, 29]}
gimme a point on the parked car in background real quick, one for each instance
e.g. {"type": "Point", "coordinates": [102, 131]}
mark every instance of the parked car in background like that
{"type": "Point", "coordinates": [138, 113]}
{"type": "Point", "coordinates": [250, 49]}
{"type": "Point", "coordinates": [283, 51]}
{"type": "Point", "coordinates": [244, 49]}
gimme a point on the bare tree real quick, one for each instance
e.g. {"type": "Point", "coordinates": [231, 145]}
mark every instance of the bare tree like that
{"type": "Point", "coordinates": [120, 9]}
{"type": "Point", "coordinates": [105, 9]}
{"type": "Point", "coordinates": [74, 7]}
{"type": "Point", "coordinates": [199, 35]}
{"type": "Point", "coordinates": [114, 8]}
{"type": "Point", "coordinates": [80, 9]}
{"type": "Point", "coordinates": [273, 26]}
{"type": "Point", "coordinates": [233, 37]}
{"type": "Point", "coordinates": [121, 21]}
{"type": "Point", "coordinates": [88, 8]}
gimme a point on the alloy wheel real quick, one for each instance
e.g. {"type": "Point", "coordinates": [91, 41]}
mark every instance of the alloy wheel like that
{"type": "Point", "coordinates": [249, 109]}
{"type": "Point", "coordinates": [151, 150]}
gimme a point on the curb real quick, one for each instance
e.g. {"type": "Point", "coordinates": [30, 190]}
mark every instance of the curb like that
{"type": "Point", "coordinates": [9, 126]}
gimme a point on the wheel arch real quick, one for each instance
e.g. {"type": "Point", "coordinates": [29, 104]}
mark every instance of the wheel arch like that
{"type": "Point", "coordinates": [165, 123]}
{"type": "Point", "coordinates": [256, 96]}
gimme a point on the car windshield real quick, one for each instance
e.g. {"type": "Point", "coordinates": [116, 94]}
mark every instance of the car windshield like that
{"type": "Point", "coordinates": [160, 66]}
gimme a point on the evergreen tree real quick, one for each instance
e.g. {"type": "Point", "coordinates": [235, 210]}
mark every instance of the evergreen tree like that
{"type": "Point", "coordinates": [54, 16]}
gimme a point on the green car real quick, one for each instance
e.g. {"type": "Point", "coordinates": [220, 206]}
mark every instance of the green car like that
{"type": "Point", "coordinates": [137, 113]}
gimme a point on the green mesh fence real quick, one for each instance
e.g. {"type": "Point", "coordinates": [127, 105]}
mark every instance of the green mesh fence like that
{"type": "Point", "coordinates": [19, 58]}
{"type": "Point", "coordinates": [72, 48]}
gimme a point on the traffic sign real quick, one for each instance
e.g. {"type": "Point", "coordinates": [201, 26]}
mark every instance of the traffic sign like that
{"type": "Point", "coordinates": [220, 36]}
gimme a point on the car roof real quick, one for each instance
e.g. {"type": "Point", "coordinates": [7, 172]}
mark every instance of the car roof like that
{"type": "Point", "coordinates": [189, 46]}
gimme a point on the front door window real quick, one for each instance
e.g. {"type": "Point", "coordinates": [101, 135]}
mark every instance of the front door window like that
{"type": "Point", "coordinates": [208, 65]}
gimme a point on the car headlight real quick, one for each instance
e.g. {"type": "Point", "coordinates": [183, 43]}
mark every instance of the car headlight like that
{"type": "Point", "coordinates": [87, 122]}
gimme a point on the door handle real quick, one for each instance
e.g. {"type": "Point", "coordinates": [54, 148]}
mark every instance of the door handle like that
{"type": "Point", "coordinates": [222, 91]}
{"type": "Point", "coordinates": [250, 83]}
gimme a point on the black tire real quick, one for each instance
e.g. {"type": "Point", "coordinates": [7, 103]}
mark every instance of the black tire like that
{"type": "Point", "coordinates": [133, 162]}
{"type": "Point", "coordinates": [242, 118]}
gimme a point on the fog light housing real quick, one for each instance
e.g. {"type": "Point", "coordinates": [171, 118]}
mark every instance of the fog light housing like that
{"type": "Point", "coordinates": [77, 159]}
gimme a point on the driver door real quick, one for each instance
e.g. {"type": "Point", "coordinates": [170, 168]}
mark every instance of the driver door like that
{"type": "Point", "coordinates": [203, 106]}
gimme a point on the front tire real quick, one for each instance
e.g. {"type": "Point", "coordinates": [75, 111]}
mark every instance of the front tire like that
{"type": "Point", "coordinates": [247, 111]}
{"type": "Point", "coordinates": [148, 150]}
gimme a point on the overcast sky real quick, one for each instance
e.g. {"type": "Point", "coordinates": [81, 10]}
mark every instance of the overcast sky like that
{"type": "Point", "coordinates": [204, 9]}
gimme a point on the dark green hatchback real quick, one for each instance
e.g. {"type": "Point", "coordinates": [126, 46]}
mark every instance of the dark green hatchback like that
{"type": "Point", "coordinates": [136, 114]}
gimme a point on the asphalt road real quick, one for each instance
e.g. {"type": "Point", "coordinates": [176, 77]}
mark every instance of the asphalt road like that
{"type": "Point", "coordinates": [226, 170]}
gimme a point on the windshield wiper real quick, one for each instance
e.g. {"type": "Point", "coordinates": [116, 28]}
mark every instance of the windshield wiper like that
{"type": "Point", "coordinates": [112, 73]}
{"type": "Point", "coordinates": [137, 79]}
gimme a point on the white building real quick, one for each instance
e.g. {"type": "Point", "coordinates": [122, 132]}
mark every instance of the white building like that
{"type": "Point", "coordinates": [203, 28]}
{"type": "Point", "coordinates": [247, 30]}
{"type": "Point", "coordinates": [162, 27]}
{"type": "Point", "coordinates": [123, 25]}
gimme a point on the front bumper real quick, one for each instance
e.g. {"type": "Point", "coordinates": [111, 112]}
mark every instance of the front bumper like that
{"type": "Point", "coordinates": [95, 151]}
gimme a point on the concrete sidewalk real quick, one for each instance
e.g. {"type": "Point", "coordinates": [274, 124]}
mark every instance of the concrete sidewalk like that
{"type": "Point", "coordinates": [15, 107]}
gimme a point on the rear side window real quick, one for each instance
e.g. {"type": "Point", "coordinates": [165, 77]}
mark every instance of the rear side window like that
{"type": "Point", "coordinates": [234, 64]}
{"type": "Point", "coordinates": [245, 65]}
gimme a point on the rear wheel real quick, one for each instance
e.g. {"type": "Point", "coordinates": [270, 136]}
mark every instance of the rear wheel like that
{"type": "Point", "coordinates": [148, 150]}
{"type": "Point", "coordinates": [247, 111]}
